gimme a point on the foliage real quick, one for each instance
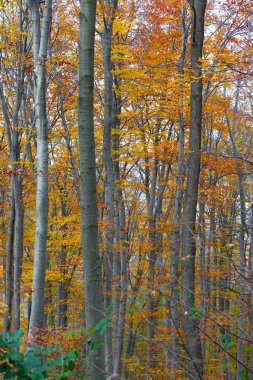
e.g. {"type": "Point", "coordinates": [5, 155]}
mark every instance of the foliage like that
{"type": "Point", "coordinates": [152, 96]}
{"type": "Point", "coordinates": [36, 363]}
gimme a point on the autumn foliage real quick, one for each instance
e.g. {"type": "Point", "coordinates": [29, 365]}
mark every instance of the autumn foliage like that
{"type": "Point", "coordinates": [140, 241]}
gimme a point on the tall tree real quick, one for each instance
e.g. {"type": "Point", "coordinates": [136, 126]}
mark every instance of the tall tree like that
{"type": "Point", "coordinates": [91, 259]}
{"type": "Point", "coordinates": [176, 237]}
{"type": "Point", "coordinates": [41, 35]}
{"type": "Point", "coordinates": [107, 33]}
{"type": "Point", "coordinates": [191, 331]}
{"type": "Point", "coordinates": [13, 134]}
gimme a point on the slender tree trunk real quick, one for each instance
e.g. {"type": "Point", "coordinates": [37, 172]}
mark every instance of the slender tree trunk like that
{"type": "Point", "coordinates": [242, 254]}
{"type": "Point", "coordinates": [12, 134]}
{"type": "Point", "coordinates": [176, 236]}
{"type": "Point", "coordinates": [123, 238]}
{"type": "Point", "coordinates": [62, 291]}
{"type": "Point", "coordinates": [176, 242]}
{"type": "Point", "coordinates": [242, 284]}
{"type": "Point", "coordinates": [152, 256]}
{"type": "Point", "coordinates": [202, 277]}
{"type": "Point", "coordinates": [132, 302]}
{"type": "Point", "coordinates": [41, 35]}
{"type": "Point", "coordinates": [67, 139]}
{"type": "Point", "coordinates": [250, 295]}
{"type": "Point", "coordinates": [110, 7]}
{"type": "Point", "coordinates": [18, 195]}
{"type": "Point", "coordinates": [190, 323]}
{"type": "Point", "coordinates": [9, 267]}
{"type": "Point", "coordinates": [91, 259]}
{"type": "Point", "coordinates": [120, 258]}
{"type": "Point", "coordinates": [18, 251]}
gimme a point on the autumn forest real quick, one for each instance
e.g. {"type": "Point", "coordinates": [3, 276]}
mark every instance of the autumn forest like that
{"type": "Point", "coordinates": [126, 189]}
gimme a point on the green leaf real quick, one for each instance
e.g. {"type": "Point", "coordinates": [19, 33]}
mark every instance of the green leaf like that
{"type": "Point", "coordinates": [95, 345]}
{"type": "Point", "coordinates": [70, 366]}
{"type": "Point", "coordinates": [18, 334]}
{"type": "Point", "coordinates": [102, 330]}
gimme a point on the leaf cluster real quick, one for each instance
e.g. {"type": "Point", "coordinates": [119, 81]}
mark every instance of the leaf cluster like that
{"type": "Point", "coordinates": [36, 363]}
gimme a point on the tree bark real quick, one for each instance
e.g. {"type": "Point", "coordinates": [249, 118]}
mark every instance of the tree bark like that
{"type": "Point", "coordinates": [13, 136]}
{"type": "Point", "coordinates": [123, 238]}
{"type": "Point", "coordinates": [94, 309]}
{"type": "Point", "coordinates": [190, 323]}
{"type": "Point", "coordinates": [176, 236]}
{"type": "Point", "coordinates": [41, 36]}
{"type": "Point", "coordinates": [9, 267]}
{"type": "Point", "coordinates": [120, 262]}
{"type": "Point", "coordinates": [242, 251]}
{"type": "Point", "coordinates": [62, 291]}
{"type": "Point", "coordinates": [110, 7]}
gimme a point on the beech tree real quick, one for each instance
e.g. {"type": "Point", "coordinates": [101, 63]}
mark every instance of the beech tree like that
{"type": "Point", "coordinates": [192, 334]}
{"type": "Point", "coordinates": [12, 119]}
{"type": "Point", "coordinates": [94, 308]}
{"type": "Point", "coordinates": [41, 35]}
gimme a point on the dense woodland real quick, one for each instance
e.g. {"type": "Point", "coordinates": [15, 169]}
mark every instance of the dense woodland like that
{"type": "Point", "coordinates": [126, 185]}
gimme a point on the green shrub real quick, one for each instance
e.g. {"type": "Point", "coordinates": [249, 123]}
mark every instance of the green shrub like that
{"type": "Point", "coordinates": [36, 363]}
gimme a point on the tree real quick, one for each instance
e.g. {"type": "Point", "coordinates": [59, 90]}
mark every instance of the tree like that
{"type": "Point", "coordinates": [110, 7]}
{"type": "Point", "coordinates": [41, 35]}
{"type": "Point", "coordinates": [191, 331]}
{"type": "Point", "coordinates": [94, 310]}
{"type": "Point", "coordinates": [14, 246]}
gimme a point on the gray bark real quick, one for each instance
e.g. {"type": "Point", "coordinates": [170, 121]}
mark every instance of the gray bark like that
{"type": "Point", "coordinates": [110, 7]}
{"type": "Point", "coordinates": [190, 323]}
{"type": "Point", "coordinates": [91, 259]}
{"type": "Point", "coordinates": [203, 266]}
{"type": "Point", "coordinates": [120, 262]}
{"type": "Point", "coordinates": [152, 256]}
{"type": "Point", "coordinates": [250, 295]}
{"type": "Point", "coordinates": [67, 138]}
{"type": "Point", "coordinates": [13, 136]}
{"type": "Point", "coordinates": [18, 250]}
{"type": "Point", "coordinates": [176, 236]}
{"type": "Point", "coordinates": [41, 35]}
{"type": "Point", "coordinates": [9, 267]}
{"type": "Point", "coordinates": [62, 291]}
{"type": "Point", "coordinates": [123, 238]}
{"type": "Point", "coordinates": [242, 253]}
{"type": "Point", "coordinates": [132, 302]}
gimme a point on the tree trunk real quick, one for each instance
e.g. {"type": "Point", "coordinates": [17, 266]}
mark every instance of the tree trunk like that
{"type": "Point", "coordinates": [190, 323]}
{"type": "Point", "coordinates": [242, 255]}
{"type": "Point", "coordinates": [110, 7]}
{"type": "Point", "coordinates": [120, 260]}
{"type": "Point", "coordinates": [152, 256]}
{"type": "Point", "coordinates": [13, 136]}
{"type": "Point", "coordinates": [94, 309]}
{"type": "Point", "coordinates": [18, 250]}
{"type": "Point", "coordinates": [123, 238]}
{"type": "Point", "coordinates": [250, 295]}
{"type": "Point", "coordinates": [41, 35]}
{"type": "Point", "coordinates": [62, 291]}
{"type": "Point", "coordinates": [9, 267]}
{"type": "Point", "coordinates": [176, 236]}
{"type": "Point", "coordinates": [203, 266]}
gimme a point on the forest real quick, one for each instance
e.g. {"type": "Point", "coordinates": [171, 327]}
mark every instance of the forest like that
{"type": "Point", "coordinates": [126, 189]}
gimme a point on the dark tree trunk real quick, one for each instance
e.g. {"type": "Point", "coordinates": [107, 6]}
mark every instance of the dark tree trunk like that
{"type": "Point", "coordinates": [109, 115]}
{"type": "Point", "coordinates": [9, 268]}
{"type": "Point", "coordinates": [176, 236]}
{"type": "Point", "coordinates": [190, 323]}
{"type": "Point", "coordinates": [94, 309]}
